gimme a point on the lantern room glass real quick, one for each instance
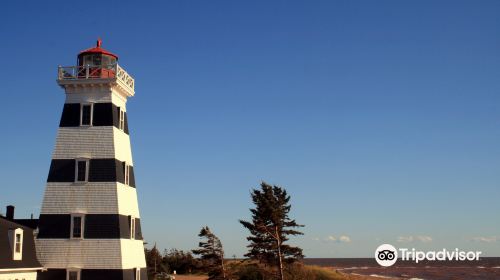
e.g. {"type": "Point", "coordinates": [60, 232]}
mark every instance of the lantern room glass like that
{"type": "Point", "coordinates": [96, 59]}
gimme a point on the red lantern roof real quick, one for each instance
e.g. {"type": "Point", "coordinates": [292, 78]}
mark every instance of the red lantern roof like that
{"type": "Point", "coordinates": [98, 49]}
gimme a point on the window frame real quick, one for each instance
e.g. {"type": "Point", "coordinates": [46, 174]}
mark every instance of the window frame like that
{"type": "Point", "coordinates": [17, 256]}
{"type": "Point", "coordinates": [18, 243]}
{"type": "Point", "coordinates": [121, 119]}
{"type": "Point", "coordinates": [78, 273]}
{"type": "Point", "coordinates": [91, 114]}
{"type": "Point", "coordinates": [137, 275]}
{"type": "Point", "coordinates": [132, 227]}
{"type": "Point", "coordinates": [126, 173]}
{"type": "Point", "coordinates": [82, 225]}
{"type": "Point", "coordinates": [87, 163]}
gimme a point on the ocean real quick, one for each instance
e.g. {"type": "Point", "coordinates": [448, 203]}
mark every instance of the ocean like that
{"type": "Point", "coordinates": [483, 269]}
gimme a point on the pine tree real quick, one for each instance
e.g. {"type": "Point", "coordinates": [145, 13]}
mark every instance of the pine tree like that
{"type": "Point", "coordinates": [153, 260]}
{"type": "Point", "coordinates": [212, 254]}
{"type": "Point", "coordinates": [270, 228]}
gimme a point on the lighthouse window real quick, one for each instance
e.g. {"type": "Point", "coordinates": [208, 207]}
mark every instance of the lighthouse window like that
{"type": "Point", "coordinates": [82, 170]}
{"type": "Point", "coordinates": [108, 62]}
{"type": "Point", "coordinates": [97, 60]}
{"type": "Point", "coordinates": [86, 114]}
{"type": "Point", "coordinates": [126, 172]}
{"type": "Point", "coordinates": [122, 119]}
{"type": "Point", "coordinates": [89, 59]}
{"type": "Point", "coordinates": [73, 275]}
{"type": "Point", "coordinates": [132, 228]}
{"type": "Point", "coordinates": [77, 226]}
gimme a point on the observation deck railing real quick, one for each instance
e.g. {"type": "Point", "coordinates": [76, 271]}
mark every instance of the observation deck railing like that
{"type": "Point", "coordinates": [111, 71]}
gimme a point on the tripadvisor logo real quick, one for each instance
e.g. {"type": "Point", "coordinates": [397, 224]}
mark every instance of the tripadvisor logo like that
{"type": "Point", "coordinates": [387, 255]}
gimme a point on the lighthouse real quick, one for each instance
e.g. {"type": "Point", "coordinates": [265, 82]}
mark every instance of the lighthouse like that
{"type": "Point", "coordinates": [89, 226]}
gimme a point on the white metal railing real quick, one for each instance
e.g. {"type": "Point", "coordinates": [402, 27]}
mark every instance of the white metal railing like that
{"type": "Point", "coordinates": [111, 71]}
{"type": "Point", "coordinates": [124, 77]}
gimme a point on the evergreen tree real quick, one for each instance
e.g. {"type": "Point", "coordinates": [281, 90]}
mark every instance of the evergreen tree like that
{"type": "Point", "coordinates": [179, 261]}
{"type": "Point", "coordinates": [270, 228]}
{"type": "Point", "coordinates": [154, 262]}
{"type": "Point", "coordinates": [212, 254]}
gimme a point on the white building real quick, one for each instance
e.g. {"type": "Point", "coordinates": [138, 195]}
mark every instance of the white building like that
{"type": "Point", "coordinates": [89, 226]}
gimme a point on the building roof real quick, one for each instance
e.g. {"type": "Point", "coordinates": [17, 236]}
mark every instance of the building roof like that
{"type": "Point", "coordinates": [98, 49]}
{"type": "Point", "coordinates": [31, 223]}
{"type": "Point", "coordinates": [29, 260]}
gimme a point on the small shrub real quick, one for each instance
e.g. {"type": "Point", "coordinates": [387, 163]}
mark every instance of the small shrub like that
{"type": "Point", "coordinates": [250, 272]}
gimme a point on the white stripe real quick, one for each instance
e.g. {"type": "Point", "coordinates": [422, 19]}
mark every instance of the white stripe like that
{"type": "Point", "coordinates": [90, 198]}
{"type": "Point", "coordinates": [91, 253]}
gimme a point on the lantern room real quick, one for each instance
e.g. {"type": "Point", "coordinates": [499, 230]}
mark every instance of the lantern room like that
{"type": "Point", "coordinates": [97, 56]}
{"type": "Point", "coordinates": [96, 66]}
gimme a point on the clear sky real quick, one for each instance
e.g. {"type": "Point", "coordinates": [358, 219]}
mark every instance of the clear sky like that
{"type": "Point", "coordinates": [381, 118]}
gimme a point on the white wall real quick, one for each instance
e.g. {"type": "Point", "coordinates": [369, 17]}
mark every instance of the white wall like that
{"type": "Point", "coordinates": [90, 198]}
{"type": "Point", "coordinates": [91, 253]}
{"type": "Point", "coordinates": [30, 275]}
{"type": "Point", "coordinates": [91, 141]}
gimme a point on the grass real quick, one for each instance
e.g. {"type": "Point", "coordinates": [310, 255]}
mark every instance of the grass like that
{"type": "Point", "coordinates": [301, 272]}
{"type": "Point", "coordinates": [248, 270]}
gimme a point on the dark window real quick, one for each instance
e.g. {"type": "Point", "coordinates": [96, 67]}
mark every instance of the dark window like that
{"type": "Point", "coordinates": [88, 59]}
{"type": "Point", "coordinates": [132, 228]}
{"type": "Point", "coordinates": [97, 60]}
{"type": "Point", "coordinates": [126, 172]}
{"type": "Point", "coordinates": [105, 61]}
{"type": "Point", "coordinates": [77, 227]}
{"type": "Point", "coordinates": [131, 177]}
{"type": "Point", "coordinates": [122, 120]}
{"type": "Point", "coordinates": [73, 275]}
{"type": "Point", "coordinates": [86, 116]}
{"type": "Point", "coordinates": [81, 171]}
{"type": "Point", "coordinates": [18, 243]}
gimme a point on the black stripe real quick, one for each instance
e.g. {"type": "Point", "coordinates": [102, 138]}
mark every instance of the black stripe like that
{"type": "Point", "coordinates": [93, 274]}
{"type": "Point", "coordinates": [120, 171]}
{"type": "Point", "coordinates": [125, 125]}
{"type": "Point", "coordinates": [51, 274]}
{"type": "Point", "coordinates": [102, 226]}
{"type": "Point", "coordinates": [116, 116]}
{"type": "Point", "coordinates": [138, 231]}
{"type": "Point", "coordinates": [125, 226]}
{"type": "Point", "coordinates": [131, 180]}
{"type": "Point", "coordinates": [100, 170]}
{"type": "Point", "coordinates": [102, 274]}
{"type": "Point", "coordinates": [62, 170]}
{"type": "Point", "coordinates": [70, 115]}
{"type": "Point", "coordinates": [104, 114]}
{"type": "Point", "coordinates": [97, 226]}
{"type": "Point", "coordinates": [54, 226]}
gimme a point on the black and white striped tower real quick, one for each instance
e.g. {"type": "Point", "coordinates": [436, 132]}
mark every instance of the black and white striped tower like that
{"type": "Point", "coordinates": [89, 226]}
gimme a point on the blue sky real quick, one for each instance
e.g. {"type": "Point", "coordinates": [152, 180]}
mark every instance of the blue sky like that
{"type": "Point", "coordinates": [381, 118]}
